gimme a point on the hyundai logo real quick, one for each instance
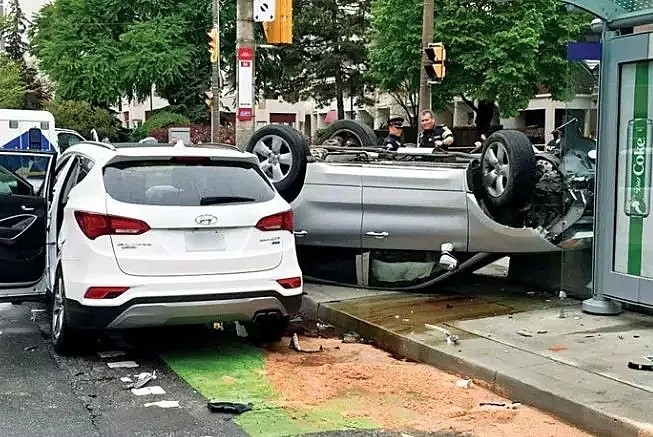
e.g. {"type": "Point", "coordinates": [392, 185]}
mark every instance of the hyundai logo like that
{"type": "Point", "coordinates": [206, 219]}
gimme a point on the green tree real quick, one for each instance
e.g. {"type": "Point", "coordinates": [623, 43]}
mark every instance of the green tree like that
{"type": "Point", "coordinates": [12, 88]}
{"type": "Point", "coordinates": [498, 53]}
{"type": "Point", "coordinates": [14, 30]}
{"type": "Point", "coordinates": [328, 52]}
{"type": "Point", "coordinates": [395, 49]}
{"type": "Point", "coordinates": [99, 51]}
{"type": "Point", "coordinates": [82, 117]}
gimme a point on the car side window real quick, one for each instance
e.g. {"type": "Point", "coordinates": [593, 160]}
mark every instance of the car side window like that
{"type": "Point", "coordinates": [66, 140]}
{"type": "Point", "coordinates": [85, 166]}
{"type": "Point", "coordinates": [70, 182]}
{"type": "Point", "coordinates": [10, 183]}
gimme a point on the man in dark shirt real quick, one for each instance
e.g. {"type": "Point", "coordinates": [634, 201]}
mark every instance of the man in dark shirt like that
{"type": "Point", "coordinates": [433, 136]}
{"type": "Point", "coordinates": [395, 127]}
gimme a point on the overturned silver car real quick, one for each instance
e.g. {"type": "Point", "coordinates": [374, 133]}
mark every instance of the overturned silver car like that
{"type": "Point", "coordinates": [368, 217]}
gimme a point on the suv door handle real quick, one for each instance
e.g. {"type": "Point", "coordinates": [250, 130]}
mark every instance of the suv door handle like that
{"type": "Point", "coordinates": [378, 235]}
{"type": "Point", "coordinates": [300, 233]}
{"type": "Point", "coordinates": [27, 208]}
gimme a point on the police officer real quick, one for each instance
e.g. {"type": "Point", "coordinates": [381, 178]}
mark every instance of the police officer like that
{"type": "Point", "coordinates": [433, 135]}
{"type": "Point", "coordinates": [396, 128]}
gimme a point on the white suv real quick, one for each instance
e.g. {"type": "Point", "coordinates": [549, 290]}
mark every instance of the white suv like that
{"type": "Point", "coordinates": [146, 236]}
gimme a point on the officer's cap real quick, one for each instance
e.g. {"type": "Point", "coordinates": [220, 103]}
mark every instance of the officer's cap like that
{"type": "Point", "coordinates": [396, 121]}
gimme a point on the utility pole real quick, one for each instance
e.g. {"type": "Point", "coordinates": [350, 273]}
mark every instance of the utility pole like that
{"type": "Point", "coordinates": [427, 38]}
{"type": "Point", "coordinates": [215, 78]}
{"type": "Point", "coordinates": [246, 54]}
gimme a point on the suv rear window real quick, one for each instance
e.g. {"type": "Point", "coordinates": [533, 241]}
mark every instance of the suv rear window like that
{"type": "Point", "coordinates": [186, 182]}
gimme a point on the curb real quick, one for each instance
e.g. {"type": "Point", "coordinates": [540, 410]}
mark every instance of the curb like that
{"type": "Point", "coordinates": [583, 416]}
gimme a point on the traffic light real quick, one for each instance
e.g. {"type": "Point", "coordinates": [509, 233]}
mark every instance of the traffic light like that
{"type": "Point", "coordinates": [214, 45]}
{"type": "Point", "coordinates": [279, 31]}
{"type": "Point", "coordinates": [436, 68]}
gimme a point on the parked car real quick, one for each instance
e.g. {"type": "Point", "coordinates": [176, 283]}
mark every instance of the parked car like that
{"type": "Point", "coordinates": [407, 219]}
{"type": "Point", "coordinates": [147, 236]}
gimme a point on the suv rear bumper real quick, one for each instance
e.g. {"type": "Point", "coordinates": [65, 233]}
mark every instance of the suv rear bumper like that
{"type": "Point", "coordinates": [182, 310]}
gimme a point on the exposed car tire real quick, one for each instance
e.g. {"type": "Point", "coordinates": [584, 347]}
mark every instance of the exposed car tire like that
{"type": "Point", "coordinates": [508, 169]}
{"type": "Point", "coordinates": [350, 133]}
{"type": "Point", "coordinates": [64, 339]}
{"type": "Point", "coordinates": [266, 331]}
{"type": "Point", "coordinates": [282, 152]}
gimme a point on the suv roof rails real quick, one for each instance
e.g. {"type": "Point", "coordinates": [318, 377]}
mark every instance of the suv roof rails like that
{"type": "Point", "coordinates": [101, 144]}
{"type": "Point", "coordinates": [216, 145]}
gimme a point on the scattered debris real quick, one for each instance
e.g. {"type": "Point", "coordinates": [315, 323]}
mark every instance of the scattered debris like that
{"type": "Point", "coordinates": [240, 330]}
{"type": "Point", "coordinates": [229, 407]}
{"type": "Point", "coordinates": [294, 344]}
{"type": "Point", "coordinates": [296, 319]}
{"type": "Point", "coordinates": [645, 363]}
{"type": "Point", "coordinates": [122, 364]}
{"type": "Point", "coordinates": [525, 333]}
{"type": "Point", "coordinates": [351, 337]}
{"type": "Point", "coordinates": [154, 390]}
{"type": "Point", "coordinates": [530, 293]}
{"type": "Point", "coordinates": [542, 331]}
{"type": "Point", "coordinates": [464, 383]}
{"type": "Point", "coordinates": [492, 404]}
{"type": "Point", "coordinates": [110, 354]}
{"type": "Point", "coordinates": [557, 348]}
{"type": "Point", "coordinates": [126, 379]}
{"type": "Point", "coordinates": [0, 332]}
{"type": "Point", "coordinates": [452, 339]}
{"type": "Point", "coordinates": [620, 337]}
{"type": "Point", "coordinates": [30, 348]}
{"type": "Point", "coordinates": [635, 336]}
{"type": "Point", "coordinates": [163, 404]}
{"type": "Point", "coordinates": [218, 326]}
{"type": "Point", "coordinates": [577, 317]}
{"type": "Point", "coordinates": [510, 316]}
{"type": "Point", "coordinates": [141, 379]}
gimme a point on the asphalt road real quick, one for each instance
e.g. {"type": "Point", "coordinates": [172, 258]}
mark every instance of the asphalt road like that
{"type": "Point", "coordinates": [44, 394]}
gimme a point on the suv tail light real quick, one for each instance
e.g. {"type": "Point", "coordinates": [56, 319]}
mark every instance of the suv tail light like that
{"type": "Point", "coordinates": [104, 292]}
{"type": "Point", "coordinates": [290, 282]}
{"type": "Point", "coordinates": [277, 222]}
{"type": "Point", "coordinates": [94, 225]}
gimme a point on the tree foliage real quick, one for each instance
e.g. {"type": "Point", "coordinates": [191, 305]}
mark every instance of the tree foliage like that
{"type": "Point", "coordinates": [13, 29]}
{"type": "Point", "coordinates": [496, 52]}
{"type": "Point", "coordinates": [328, 54]}
{"type": "Point", "coordinates": [83, 117]}
{"type": "Point", "coordinates": [395, 50]}
{"type": "Point", "coordinates": [12, 88]}
{"type": "Point", "coordinates": [99, 51]}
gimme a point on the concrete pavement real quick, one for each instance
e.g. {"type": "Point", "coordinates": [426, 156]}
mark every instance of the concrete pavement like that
{"type": "Point", "coordinates": [515, 343]}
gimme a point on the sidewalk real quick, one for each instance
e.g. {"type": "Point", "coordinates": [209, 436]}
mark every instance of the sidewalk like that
{"type": "Point", "coordinates": [514, 343]}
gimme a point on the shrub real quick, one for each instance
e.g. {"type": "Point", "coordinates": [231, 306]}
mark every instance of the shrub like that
{"type": "Point", "coordinates": [163, 119]}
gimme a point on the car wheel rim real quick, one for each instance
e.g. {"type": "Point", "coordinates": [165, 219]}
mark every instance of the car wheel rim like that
{"type": "Point", "coordinates": [275, 156]}
{"type": "Point", "coordinates": [496, 169]}
{"type": "Point", "coordinates": [347, 138]}
{"type": "Point", "coordinates": [57, 309]}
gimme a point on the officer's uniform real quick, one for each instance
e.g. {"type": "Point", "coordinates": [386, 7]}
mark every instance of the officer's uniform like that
{"type": "Point", "coordinates": [393, 142]}
{"type": "Point", "coordinates": [428, 138]}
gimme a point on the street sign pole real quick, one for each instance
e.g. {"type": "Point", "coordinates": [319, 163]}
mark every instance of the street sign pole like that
{"type": "Point", "coordinates": [215, 78]}
{"type": "Point", "coordinates": [245, 68]}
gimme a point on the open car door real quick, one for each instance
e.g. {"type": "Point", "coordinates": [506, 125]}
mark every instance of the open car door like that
{"type": "Point", "coordinates": [25, 184]}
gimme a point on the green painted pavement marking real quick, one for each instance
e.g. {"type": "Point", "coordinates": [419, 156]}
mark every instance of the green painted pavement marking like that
{"type": "Point", "coordinates": [235, 373]}
{"type": "Point", "coordinates": [640, 111]}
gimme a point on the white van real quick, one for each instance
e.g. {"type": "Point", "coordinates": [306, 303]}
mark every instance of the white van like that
{"type": "Point", "coordinates": [27, 130]}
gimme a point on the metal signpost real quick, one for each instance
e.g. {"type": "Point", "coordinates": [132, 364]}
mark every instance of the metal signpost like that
{"type": "Point", "coordinates": [623, 260]}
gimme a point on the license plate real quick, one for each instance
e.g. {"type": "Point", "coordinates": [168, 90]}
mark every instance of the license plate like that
{"type": "Point", "coordinates": [204, 241]}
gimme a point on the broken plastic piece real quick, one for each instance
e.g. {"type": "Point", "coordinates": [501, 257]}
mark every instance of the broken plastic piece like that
{"type": "Point", "coordinates": [122, 364]}
{"type": "Point", "coordinates": [229, 407]}
{"type": "Point", "coordinates": [30, 348]}
{"type": "Point", "coordinates": [240, 330]}
{"type": "Point", "coordinates": [493, 404]}
{"type": "Point", "coordinates": [154, 390]}
{"type": "Point", "coordinates": [163, 404]}
{"type": "Point", "coordinates": [645, 363]}
{"type": "Point", "coordinates": [464, 383]}
{"type": "Point", "coordinates": [143, 379]}
{"type": "Point", "coordinates": [525, 333]}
